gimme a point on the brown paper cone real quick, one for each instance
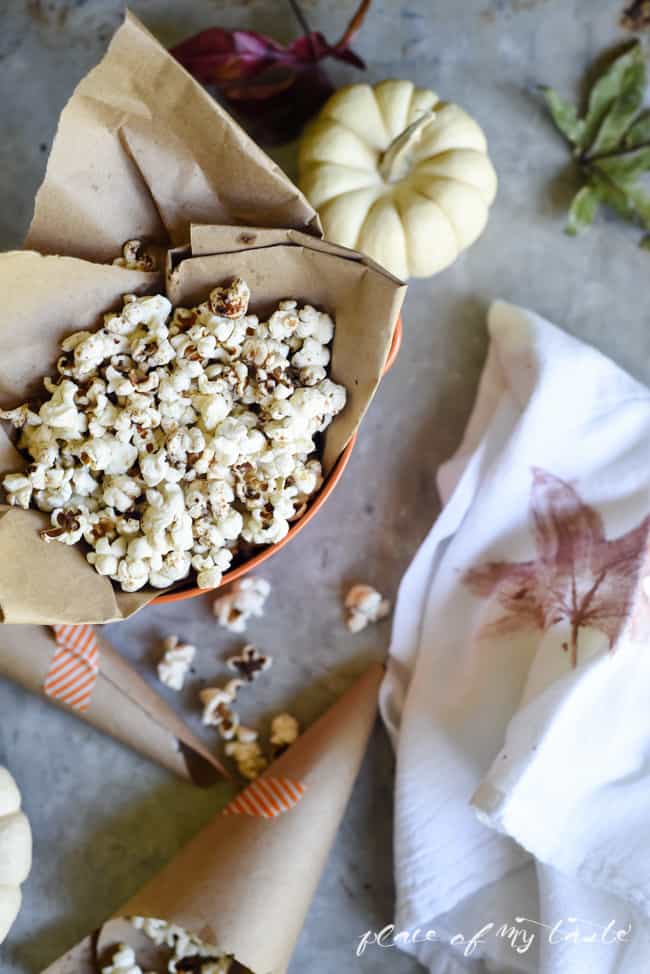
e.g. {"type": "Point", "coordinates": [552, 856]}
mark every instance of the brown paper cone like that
{"type": "Point", "coordinates": [122, 704]}
{"type": "Point", "coordinates": [142, 151]}
{"type": "Point", "coordinates": [245, 883]}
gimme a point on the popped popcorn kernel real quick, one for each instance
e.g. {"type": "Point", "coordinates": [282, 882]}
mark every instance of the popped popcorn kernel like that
{"type": "Point", "coordinates": [285, 729]}
{"type": "Point", "coordinates": [245, 600]}
{"type": "Point", "coordinates": [199, 957]}
{"type": "Point", "coordinates": [249, 664]}
{"type": "Point", "coordinates": [364, 605]}
{"type": "Point", "coordinates": [136, 257]}
{"type": "Point", "coordinates": [217, 708]}
{"type": "Point", "coordinates": [189, 432]}
{"type": "Point", "coordinates": [176, 662]}
{"type": "Point", "coordinates": [248, 756]}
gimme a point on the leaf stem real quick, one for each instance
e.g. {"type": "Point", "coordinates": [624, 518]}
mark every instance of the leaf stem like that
{"type": "Point", "coordinates": [300, 17]}
{"type": "Point", "coordinates": [585, 158]}
{"type": "Point", "coordinates": [354, 25]}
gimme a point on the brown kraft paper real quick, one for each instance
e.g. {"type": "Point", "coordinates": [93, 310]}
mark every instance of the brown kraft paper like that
{"type": "Point", "coordinates": [244, 884]}
{"type": "Point", "coordinates": [195, 164]}
{"type": "Point", "coordinates": [123, 705]}
{"type": "Point", "coordinates": [142, 150]}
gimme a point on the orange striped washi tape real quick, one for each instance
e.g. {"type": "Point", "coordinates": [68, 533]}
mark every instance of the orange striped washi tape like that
{"type": "Point", "coordinates": [74, 668]}
{"type": "Point", "coordinates": [267, 798]}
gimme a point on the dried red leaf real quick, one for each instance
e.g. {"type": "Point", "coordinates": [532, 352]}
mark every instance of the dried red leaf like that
{"type": "Point", "coordinates": [273, 88]}
{"type": "Point", "coordinates": [578, 574]}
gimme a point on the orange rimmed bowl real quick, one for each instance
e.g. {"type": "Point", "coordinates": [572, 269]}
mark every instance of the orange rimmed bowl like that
{"type": "Point", "coordinates": [312, 511]}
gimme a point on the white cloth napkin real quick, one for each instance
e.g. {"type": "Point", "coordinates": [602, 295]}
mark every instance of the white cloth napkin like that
{"type": "Point", "coordinates": [518, 689]}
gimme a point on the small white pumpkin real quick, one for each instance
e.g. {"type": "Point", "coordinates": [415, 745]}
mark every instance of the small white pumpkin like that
{"type": "Point", "coordinates": [15, 851]}
{"type": "Point", "coordinates": [398, 174]}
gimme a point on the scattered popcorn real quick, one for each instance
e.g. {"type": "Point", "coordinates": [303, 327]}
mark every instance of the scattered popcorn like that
{"type": "Point", "coordinates": [135, 257]}
{"type": "Point", "coordinates": [285, 729]}
{"type": "Point", "coordinates": [247, 754]}
{"type": "Point", "coordinates": [187, 952]}
{"type": "Point", "coordinates": [123, 962]}
{"type": "Point", "coordinates": [176, 662]}
{"type": "Point", "coordinates": [188, 431]}
{"type": "Point", "coordinates": [217, 710]}
{"type": "Point", "coordinates": [249, 664]}
{"type": "Point", "coordinates": [244, 600]}
{"type": "Point", "coordinates": [364, 604]}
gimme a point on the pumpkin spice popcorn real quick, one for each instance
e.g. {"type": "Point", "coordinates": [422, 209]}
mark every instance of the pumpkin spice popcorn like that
{"type": "Point", "coordinates": [285, 729]}
{"type": "Point", "coordinates": [245, 600]}
{"type": "Point", "coordinates": [249, 664]}
{"type": "Point", "coordinates": [176, 662]}
{"type": "Point", "coordinates": [171, 438]}
{"type": "Point", "coordinates": [363, 605]}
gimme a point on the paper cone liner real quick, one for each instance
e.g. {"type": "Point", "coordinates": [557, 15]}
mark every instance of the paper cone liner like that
{"type": "Point", "coordinates": [245, 882]}
{"type": "Point", "coordinates": [142, 150]}
{"type": "Point", "coordinates": [122, 703]}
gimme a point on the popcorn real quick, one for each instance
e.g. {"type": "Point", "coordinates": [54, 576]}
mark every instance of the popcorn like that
{"type": "Point", "coordinates": [245, 600]}
{"type": "Point", "coordinates": [176, 662]}
{"type": "Point", "coordinates": [67, 525]}
{"type": "Point", "coordinates": [169, 443]}
{"type": "Point", "coordinates": [123, 962]}
{"type": "Point", "coordinates": [199, 957]}
{"type": "Point", "coordinates": [135, 257]}
{"type": "Point", "coordinates": [250, 664]}
{"type": "Point", "coordinates": [364, 604]}
{"type": "Point", "coordinates": [247, 754]}
{"type": "Point", "coordinates": [232, 301]}
{"type": "Point", "coordinates": [217, 710]}
{"type": "Point", "coordinates": [18, 488]}
{"type": "Point", "coordinates": [311, 353]}
{"type": "Point", "coordinates": [285, 729]}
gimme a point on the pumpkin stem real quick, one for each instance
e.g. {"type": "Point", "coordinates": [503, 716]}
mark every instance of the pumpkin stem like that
{"type": "Point", "coordinates": [395, 161]}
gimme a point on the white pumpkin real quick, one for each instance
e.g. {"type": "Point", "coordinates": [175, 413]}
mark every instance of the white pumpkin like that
{"type": "Point", "coordinates": [15, 851]}
{"type": "Point", "coordinates": [397, 173]}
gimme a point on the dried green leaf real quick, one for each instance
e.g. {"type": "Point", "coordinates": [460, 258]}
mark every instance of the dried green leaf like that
{"type": "Point", "coordinates": [583, 209]}
{"type": "Point", "coordinates": [629, 201]}
{"type": "Point", "coordinates": [623, 110]}
{"type": "Point", "coordinates": [639, 132]}
{"type": "Point", "coordinates": [625, 166]}
{"type": "Point", "coordinates": [608, 87]}
{"type": "Point", "coordinates": [644, 242]}
{"type": "Point", "coordinates": [640, 200]}
{"type": "Point", "coordinates": [565, 115]}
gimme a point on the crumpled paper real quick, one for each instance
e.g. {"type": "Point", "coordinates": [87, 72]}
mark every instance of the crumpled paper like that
{"type": "Point", "coordinates": [143, 151]}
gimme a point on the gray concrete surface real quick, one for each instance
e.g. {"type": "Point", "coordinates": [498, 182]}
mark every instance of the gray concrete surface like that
{"type": "Point", "coordinates": [103, 819]}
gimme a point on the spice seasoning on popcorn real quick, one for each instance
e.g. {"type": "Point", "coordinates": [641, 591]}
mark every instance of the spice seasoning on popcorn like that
{"type": "Point", "coordinates": [172, 438]}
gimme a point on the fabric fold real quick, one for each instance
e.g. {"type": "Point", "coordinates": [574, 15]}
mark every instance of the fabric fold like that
{"type": "Point", "coordinates": [517, 690]}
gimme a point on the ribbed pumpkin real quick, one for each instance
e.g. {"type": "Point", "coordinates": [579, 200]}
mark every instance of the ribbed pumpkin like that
{"type": "Point", "coordinates": [398, 174]}
{"type": "Point", "coordinates": [15, 851]}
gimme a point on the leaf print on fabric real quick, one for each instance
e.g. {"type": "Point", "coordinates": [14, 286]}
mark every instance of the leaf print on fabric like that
{"type": "Point", "coordinates": [578, 575]}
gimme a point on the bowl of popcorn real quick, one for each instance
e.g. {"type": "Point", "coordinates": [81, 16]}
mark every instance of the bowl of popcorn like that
{"type": "Point", "coordinates": [182, 446]}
